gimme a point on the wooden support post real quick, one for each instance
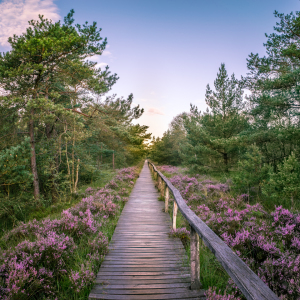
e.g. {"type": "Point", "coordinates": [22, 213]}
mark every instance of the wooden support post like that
{"type": "Point", "coordinates": [167, 195]}
{"type": "Point", "coordinates": [175, 208]}
{"type": "Point", "coordinates": [163, 188]}
{"type": "Point", "coordinates": [159, 182]}
{"type": "Point", "coordinates": [195, 260]}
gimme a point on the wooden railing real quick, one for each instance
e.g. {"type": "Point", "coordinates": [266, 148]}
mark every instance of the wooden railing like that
{"type": "Point", "coordinates": [246, 280]}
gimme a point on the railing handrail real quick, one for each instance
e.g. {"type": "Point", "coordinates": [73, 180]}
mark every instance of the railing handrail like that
{"type": "Point", "coordinates": [252, 287]}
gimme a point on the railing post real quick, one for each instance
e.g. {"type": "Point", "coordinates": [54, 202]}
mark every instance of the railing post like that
{"type": "Point", "coordinates": [175, 208]}
{"type": "Point", "coordinates": [167, 195]}
{"type": "Point", "coordinates": [162, 192]}
{"type": "Point", "coordinates": [195, 260]}
{"type": "Point", "coordinates": [159, 183]}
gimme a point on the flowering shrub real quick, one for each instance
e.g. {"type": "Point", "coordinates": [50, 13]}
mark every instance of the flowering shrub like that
{"type": "Point", "coordinates": [112, 185]}
{"type": "Point", "coordinates": [100, 243]}
{"type": "Point", "coordinates": [82, 279]}
{"type": "Point", "coordinates": [193, 190]}
{"type": "Point", "coordinates": [269, 243]}
{"type": "Point", "coordinates": [33, 265]}
{"type": "Point", "coordinates": [212, 294]}
{"type": "Point", "coordinates": [181, 233]}
{"type": "Point", "coordinates": [40, 253]}
{"type": "Point", "coordinates": [168, 169]}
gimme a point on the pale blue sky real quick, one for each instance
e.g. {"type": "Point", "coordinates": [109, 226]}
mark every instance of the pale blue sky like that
{"type": "Point", "coordinates": [166, 51]}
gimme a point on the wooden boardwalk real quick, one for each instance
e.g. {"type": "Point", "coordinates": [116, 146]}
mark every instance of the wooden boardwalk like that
{"type": "Point", "coordinates": [143, 262]}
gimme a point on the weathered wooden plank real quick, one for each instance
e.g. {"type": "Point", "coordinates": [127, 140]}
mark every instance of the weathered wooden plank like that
{"type": "Point", "coordinates": [143, 261]}
{"type": "Point", "coordinates": [144, 297]}
{"type": "Point", "coordinates": [144, 243]}
{"type": "Point", "coordinates": [135, 265]}
{"type": "Point", "coordinates": [142, 281]}
{"type": "Point", "coordinates": [145, 290]}
{"type": "Point", "coordinates": [148, 277]}
{"type": "Point", "coordinates": [148, 255]}
{"type": "Point", "coordinates": [147, 251]}
{"type": "Point", "coordinates": [132, 287]}
{"type": "Point", "coordinates": [145, 269]}
{"type": "Point", "coordinates": [153, 273]}
{"type": "Point", "coordinates": [146, 263]}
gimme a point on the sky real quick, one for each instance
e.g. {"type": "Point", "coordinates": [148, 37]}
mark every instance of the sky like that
{"type": "Point", "coordinates": [165, 52]}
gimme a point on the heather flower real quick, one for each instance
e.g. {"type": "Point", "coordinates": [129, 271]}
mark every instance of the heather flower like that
{"type": "Point", "coordinates": [168, 169]}
{"type": "Point", "coordinates": [269, 243]}
{"type": "Point", "coordinates": [82, 279]}
{"type": "Point", "coordinates": [46, 249]}
{"type": "Point", "coordinates": [89, 190]}
{"type": "Point", "coordinates": [181, 233]}
{"type": "Point", "coordinates": [212, 294]}
{"type": "Point", "coordinates": [99, 243]}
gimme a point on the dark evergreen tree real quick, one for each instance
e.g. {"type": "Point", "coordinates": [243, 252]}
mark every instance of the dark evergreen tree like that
{"type": "Point", "coordinates": [212, 135]}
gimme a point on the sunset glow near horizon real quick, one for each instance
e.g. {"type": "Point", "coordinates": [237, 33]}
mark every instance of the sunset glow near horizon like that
{"type": "Point", "coordinates": [164, 51]}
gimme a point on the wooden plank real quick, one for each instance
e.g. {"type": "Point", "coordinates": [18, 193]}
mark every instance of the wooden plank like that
{"type": "Point", "coordinates": [142, 281]}
{"type": "Point", "coordinates": [135, 265]}
{"type": "Point", "coordinates": [154, 273]}
{"type": "Point", "coordinates": [139, 268]}
{"type": "Point", "coordinates": [145, 297]}
{"type": "Point", "coordinates": [147, 251]}
{"type": "Point", "coordinates": [149, 255]}
{"type": "Point", "coordinates": [132, 287]}
{"type": "Point", "coordinates": [148, 277]}
{"type": "Point", "coordinates": [143, 261]}
{"type": "Point", "coordinates": [144, 291]}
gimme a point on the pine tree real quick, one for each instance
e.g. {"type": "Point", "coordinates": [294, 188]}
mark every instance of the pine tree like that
{"type": "Point", "coordinates": [212, 134]}
{"type": "Point", "coordinates": [274, 83]}
{"type": "Point", "coordinates": [46, 67]}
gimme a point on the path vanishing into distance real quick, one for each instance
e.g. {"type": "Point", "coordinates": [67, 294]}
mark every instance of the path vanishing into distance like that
{"type": "Point", "coordinates": [143, 261]}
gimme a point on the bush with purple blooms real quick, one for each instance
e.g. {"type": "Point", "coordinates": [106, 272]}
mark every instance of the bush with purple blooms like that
{"type": "Point", "coordinates": [268, 242]}
{"type": "Point", "coordinates": [181, 233]}
{"type": "Point", "coordinates": [169, 169]}
{"type": "Point", "coordinates": [212, 294]}
{"type": "Point", "coordinates": [59, 257]}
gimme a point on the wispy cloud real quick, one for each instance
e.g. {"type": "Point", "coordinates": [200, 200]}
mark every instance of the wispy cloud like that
{"type": "Point", "coordinates": [106, 53]}
{"type": "Point", "coordinates": [154, 111]}
{"type": "Point", "coordinates": [15, 15]}
{"type": "Point", "coordinates": [100, 63]}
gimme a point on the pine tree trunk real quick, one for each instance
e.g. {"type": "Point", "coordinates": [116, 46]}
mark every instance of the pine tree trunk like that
{"type": "Point", "coordinates": [36, 188]}
{"type": "Point", "coordinates": [50, 132]}
{"type": "Point", "coordinates": [77, 174]}
{"type": "Point", "coordinates": [226, 161]}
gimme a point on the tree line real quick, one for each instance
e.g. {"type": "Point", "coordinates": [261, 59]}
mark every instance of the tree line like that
{"type": "Point", "coordinates": [56, 130]}
{"type": "Point", "coordinates": [253, 139]}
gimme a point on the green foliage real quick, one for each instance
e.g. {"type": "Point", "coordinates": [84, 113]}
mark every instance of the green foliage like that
{"type": "Point", "coordinates": [221, 139]}
{"type": "Point", "coordinates": [15, 167]}
{"type": "Point", "coordinates": [213, 135]}
{"type": "Point", "coordinates": [167, 150]}
{"type": "Point", "coordinates": [53, 94]}
{"type": "Point", "coordinates": [274, 83]}
{"type": "Point", "coordinates": [251, 172]}
{"type": "Point", "coordinates": [285, 182]}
